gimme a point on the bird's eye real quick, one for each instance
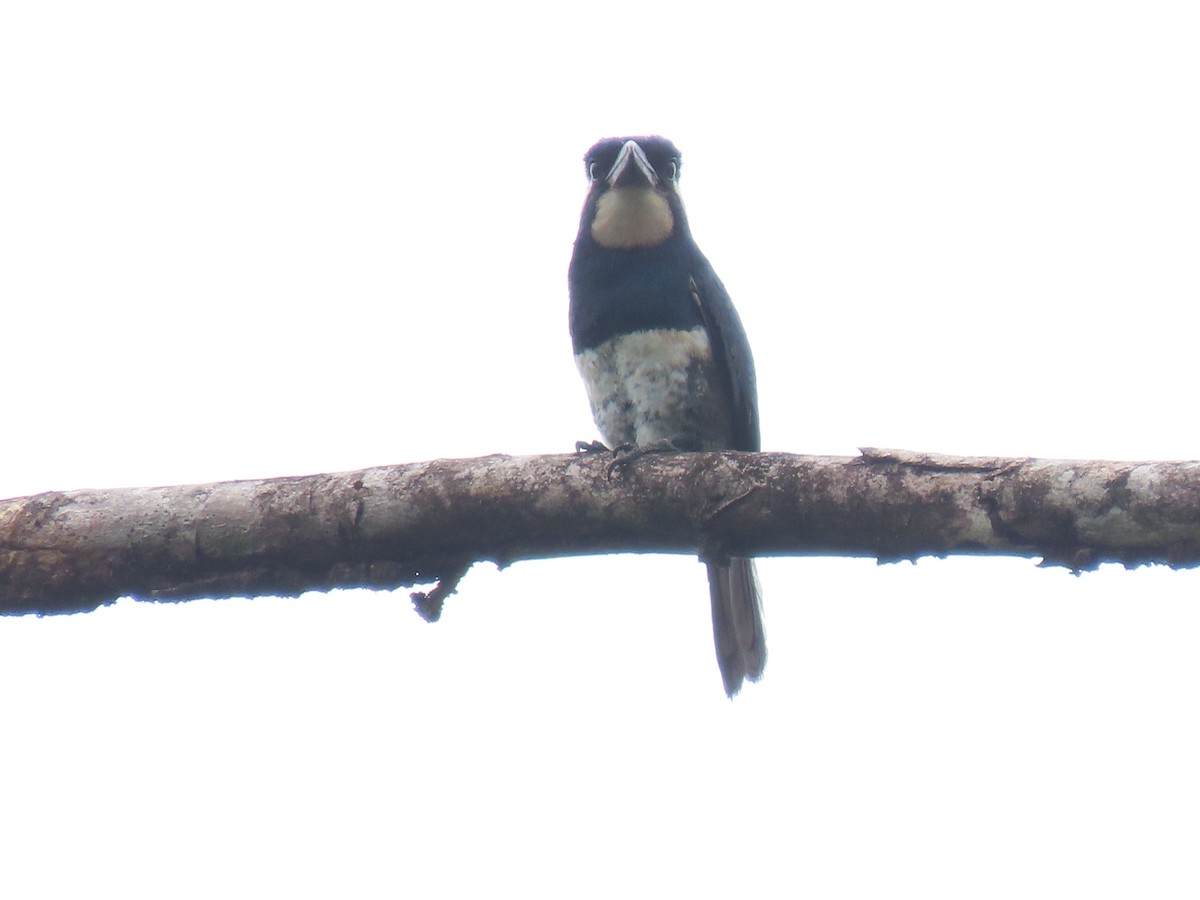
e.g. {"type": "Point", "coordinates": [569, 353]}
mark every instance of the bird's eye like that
{"type": "Point", "coordinates": [673, 170]}
{"type": "Point", "coordinates": [591, 169]}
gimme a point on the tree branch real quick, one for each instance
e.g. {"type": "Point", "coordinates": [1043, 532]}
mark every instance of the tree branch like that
{"type": "Point", "coordinates": [396, 526]}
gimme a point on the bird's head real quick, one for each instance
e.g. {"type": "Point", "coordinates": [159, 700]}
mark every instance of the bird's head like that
{"type": "Point", "coordinates": [633, 199]}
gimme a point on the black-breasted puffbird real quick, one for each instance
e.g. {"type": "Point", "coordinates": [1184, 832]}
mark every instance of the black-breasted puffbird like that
{"type": "Point", "coordinates": [662, 351]}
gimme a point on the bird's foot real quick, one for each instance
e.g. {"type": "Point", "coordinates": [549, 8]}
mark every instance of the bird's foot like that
{"type": "Point", "coordinates": [624, 454]}
{"type": "Point", "coordinates": [586, 447]}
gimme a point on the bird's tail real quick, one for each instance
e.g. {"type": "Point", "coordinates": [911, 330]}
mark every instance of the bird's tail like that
{"type": "Point", "coordinates": [737, 622]}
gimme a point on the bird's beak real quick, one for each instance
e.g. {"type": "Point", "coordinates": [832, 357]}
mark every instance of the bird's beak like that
{"type": "Point", "coordinates": [632, 168]}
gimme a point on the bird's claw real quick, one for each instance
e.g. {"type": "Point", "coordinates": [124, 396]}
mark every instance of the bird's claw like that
{"type": "Point", "coordinates": [586, 447]}
{"type": "Point", "coordinates": [624, 454]}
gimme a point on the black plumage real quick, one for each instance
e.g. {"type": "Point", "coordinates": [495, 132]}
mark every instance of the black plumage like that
{"type": "Point", "coordinates": [662, 351]}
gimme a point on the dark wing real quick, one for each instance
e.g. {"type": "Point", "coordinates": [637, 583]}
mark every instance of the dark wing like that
{"type": "Point", "coordinates": [730, 349]}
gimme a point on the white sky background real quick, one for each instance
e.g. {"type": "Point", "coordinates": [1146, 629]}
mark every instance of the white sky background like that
{"type": "Point", "coordinates": [252, 239]}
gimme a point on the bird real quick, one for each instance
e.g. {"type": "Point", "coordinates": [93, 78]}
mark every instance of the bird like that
{"type": "Point", "coordinates": [664, 358]}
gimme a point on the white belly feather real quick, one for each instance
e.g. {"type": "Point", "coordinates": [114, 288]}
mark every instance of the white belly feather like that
{"type": "Point", "coordinates": [652, 385]}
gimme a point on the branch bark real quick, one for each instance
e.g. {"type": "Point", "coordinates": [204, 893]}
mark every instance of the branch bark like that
{"type": "Point", "coordinates": [421, 523]}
